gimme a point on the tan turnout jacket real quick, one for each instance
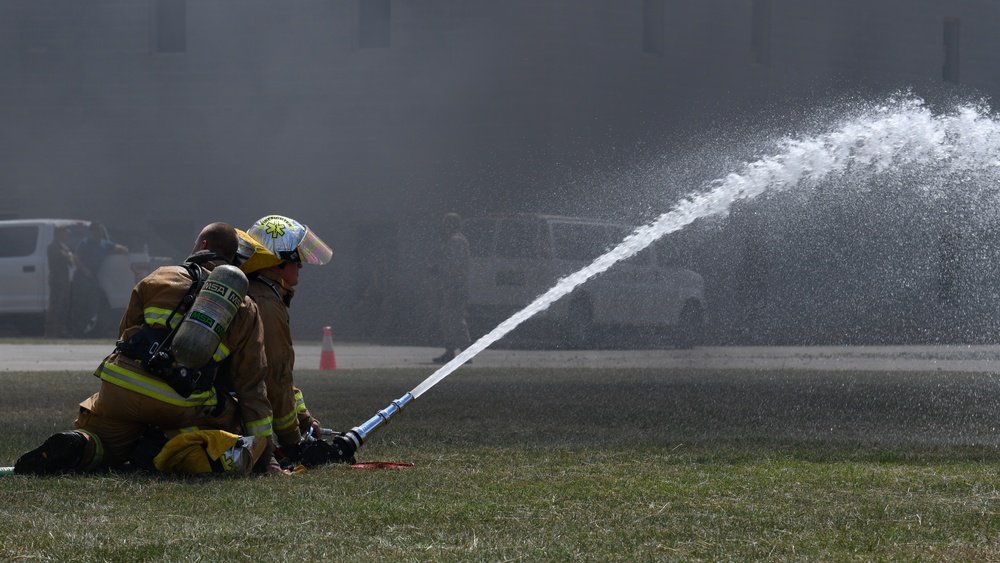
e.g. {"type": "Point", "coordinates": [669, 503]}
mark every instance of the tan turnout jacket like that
{"type": "Point", "coordinates": [291, 417]}
{"type": "Point", "coordinates": [151, 303]}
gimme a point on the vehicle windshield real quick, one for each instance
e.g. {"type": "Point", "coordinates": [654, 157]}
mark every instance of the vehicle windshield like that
{"type": "Point", "coordinates": [479, 233]}
{"type": "Point", "coordinates": [522, 237]}
{"type": "Point", "coordinates": [580, 241]}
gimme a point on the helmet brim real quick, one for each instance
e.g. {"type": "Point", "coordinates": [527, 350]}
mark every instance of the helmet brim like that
{"type": "Point", "coordinates": [254, 256]}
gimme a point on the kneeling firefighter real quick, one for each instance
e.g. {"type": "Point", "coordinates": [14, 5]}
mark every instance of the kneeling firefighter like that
{"type": "Point", "coordinates": [273, 251]}
{"type": "Point", "coordinates": [189, 363]}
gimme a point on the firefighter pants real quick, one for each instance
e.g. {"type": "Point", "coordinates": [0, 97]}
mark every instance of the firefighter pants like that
{"type": "Point", "coordinates": [118, 417]}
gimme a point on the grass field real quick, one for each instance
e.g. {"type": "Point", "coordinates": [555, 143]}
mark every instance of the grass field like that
{"type": "Point", "coordinates": [555, 465]}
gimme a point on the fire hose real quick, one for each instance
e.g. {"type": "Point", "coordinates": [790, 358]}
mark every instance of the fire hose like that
{"type": "Point", "coordinates": [342, 446]}
{"type": "Point", "coordinates": [345, 444]}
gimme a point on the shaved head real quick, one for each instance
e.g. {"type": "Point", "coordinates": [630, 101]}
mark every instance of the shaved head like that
{"type": "Point", "coordinates": [218, 237]}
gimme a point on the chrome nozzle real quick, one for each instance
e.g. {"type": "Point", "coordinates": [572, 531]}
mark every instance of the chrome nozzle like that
{"type": "Point", "coordinates": [383, 416]}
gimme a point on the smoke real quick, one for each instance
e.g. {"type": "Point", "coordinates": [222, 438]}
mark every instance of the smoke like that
{"type": "Point", "coordinates": [475, 107]}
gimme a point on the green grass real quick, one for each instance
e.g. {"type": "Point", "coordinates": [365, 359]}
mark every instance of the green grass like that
{"type": "Point", "coordinates": [555, 465]}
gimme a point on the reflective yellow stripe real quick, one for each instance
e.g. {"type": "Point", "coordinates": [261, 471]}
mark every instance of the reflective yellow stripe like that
{"type": "Point", "coordinates": [260, 427]}
{"type": "Point", "coordinates": [152, 387]}
{"type": "Point", "coordinates": [221, 353]}
{"type": "Point", "coordinates": [300, 402]}
{"type": "Point", "coordinates": [286, 422]}
{"type": "Point", "coordinates": [98, 450]}
{"type": "Point", "coordinates": [157, 316]}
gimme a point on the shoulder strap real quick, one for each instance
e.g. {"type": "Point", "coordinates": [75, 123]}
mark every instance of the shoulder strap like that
{"type": "Point", "coordinates": [198, 278]}
{"type": "Point", "coordinates": [268, 283]}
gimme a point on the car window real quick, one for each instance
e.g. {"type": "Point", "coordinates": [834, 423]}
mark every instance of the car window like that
{"type": "Point", "coordinates": [18, 241]}
{"type": "Point", "coordinates": [521, 237]}
{"type": "Point", "coordinates": [577, 241]}
{"type": "Point", "coordinates": [479, 233]}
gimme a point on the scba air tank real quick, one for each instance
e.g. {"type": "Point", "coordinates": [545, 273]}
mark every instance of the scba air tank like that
{"type": "Point", "coordinates": [213, 309]}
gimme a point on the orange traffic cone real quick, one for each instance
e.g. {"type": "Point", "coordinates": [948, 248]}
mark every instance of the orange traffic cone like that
{"type": "Point", "coordinates": [326, 358]}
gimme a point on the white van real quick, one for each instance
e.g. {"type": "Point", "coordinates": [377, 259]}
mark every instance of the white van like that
{"type": "Point", "coordinates": [517, 258]}
{"type": "Point", "coordinates": [24, 272]}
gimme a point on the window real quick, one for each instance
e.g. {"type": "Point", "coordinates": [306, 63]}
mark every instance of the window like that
{"type": "Point", "coordinates": [520, 238]}
{"type": "Point", "coordinates": [170, 26]}
{"type": "Point", "coordinates": [373, 23]}
{"type": "Point", "coordinates": [18, 242]}
{"type": "Point", "coordinates": [480, 234]}
{"type": "Point", "coordinates": [652, 26]}
{"type": "Point", "coordinates": [760, 35]}
{"type": "Point", "coordinates": [585, 242]}
{"type": "Point", "coordinates": [951, 45]}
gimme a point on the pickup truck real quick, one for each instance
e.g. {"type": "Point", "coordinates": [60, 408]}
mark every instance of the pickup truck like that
{"type": "Point", "coordinates": [24, 288]}
{"type": "Point", "coordinates": [516, 258]}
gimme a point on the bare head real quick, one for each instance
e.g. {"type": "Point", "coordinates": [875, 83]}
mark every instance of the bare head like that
{"type": "Point", "coordinates": [220, 238]}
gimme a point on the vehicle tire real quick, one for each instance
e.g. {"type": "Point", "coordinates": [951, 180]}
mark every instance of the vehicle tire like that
{"type": "Point", "coordinates": [690, 325]}
{"type": "Point", "coordinates": [579, 330]}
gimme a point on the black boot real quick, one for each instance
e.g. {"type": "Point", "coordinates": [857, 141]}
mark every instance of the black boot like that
{"type": "Point", "coordinates": [60, 453]}
{"type": "Point", "coordinates": [147, 449]}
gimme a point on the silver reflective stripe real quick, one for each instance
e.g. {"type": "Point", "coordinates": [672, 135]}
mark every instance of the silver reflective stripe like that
{"type": "Point", "coordinates": [260, 427]}
{"type": "Point", "coordinates": [286, 421]}
{"type": "Point", "coordinates": [156, 316]}
{"type": "Point", "coordinates": [221, 353]}
{"type": "Point", "coordinates": [152, 387]}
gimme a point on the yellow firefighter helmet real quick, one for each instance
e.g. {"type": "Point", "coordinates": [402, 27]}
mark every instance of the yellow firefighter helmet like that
{"type": "Point", "coordinates": [275, 238]}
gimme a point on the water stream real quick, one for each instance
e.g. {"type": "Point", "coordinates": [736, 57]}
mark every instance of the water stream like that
{"type": "Point", "coordinates": [902, 133]}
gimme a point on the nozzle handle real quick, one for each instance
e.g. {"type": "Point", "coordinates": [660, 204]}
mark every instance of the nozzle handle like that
{"type": "Point", "coordinates": [383, 416]}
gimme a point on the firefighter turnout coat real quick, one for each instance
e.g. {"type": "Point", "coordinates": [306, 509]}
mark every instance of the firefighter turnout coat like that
{"type": "Point", "coordinates": [291, 417]}
{"type": "Point", "coordinates": [131, 399]}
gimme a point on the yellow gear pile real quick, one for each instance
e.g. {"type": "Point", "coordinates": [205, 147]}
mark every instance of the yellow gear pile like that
{"type": "Point", "coordinates": [206, 451]}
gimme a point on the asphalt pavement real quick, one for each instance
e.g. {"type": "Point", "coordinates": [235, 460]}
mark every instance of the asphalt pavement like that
{"type": "Point", "coordinates": [76, 356]}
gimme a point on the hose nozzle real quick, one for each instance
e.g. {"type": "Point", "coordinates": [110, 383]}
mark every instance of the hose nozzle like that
{"type": "Point", "coordinates": [349, 442]}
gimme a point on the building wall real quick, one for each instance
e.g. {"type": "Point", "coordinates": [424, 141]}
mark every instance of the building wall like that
{"type": "Point", "coordinates": [472, 105]}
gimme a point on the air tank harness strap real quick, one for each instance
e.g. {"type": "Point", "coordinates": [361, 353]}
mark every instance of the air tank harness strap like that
{"type": "Point", "coordinates": [223, 387]}
{"type": "Point", "coordinates": [144, 344]}
{"type": "Point", "coordinates": [140, 345]}
{"type": "Point", "coordinates": [286, 299]}
{"type": "Point", "coordinates": [151, 345]}
{"type": "Point", "coordinates": [203, 256]}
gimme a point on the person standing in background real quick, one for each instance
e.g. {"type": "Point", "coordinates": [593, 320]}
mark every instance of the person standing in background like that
{"type": "Point", "coordinates": [60, 259]}
{"type": "Point", "coordinates": [87, 297]}
{"type": "Point", "coordinates": [451, 271]}
{"type": "Point", "coordinates": [93, 248]}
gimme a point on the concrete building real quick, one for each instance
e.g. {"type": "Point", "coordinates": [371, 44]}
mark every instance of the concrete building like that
{"type": "Point", "coordinates": [368, 119]}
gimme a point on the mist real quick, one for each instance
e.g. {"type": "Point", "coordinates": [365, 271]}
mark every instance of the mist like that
{"type": "Point", "coordinates": [367, 121]}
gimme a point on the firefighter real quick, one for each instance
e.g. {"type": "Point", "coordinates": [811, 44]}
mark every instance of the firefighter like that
{"type": "Point", "coordinates": [451, 273]}
{"type": "Point", "coordinates": [143, 389]}
{"type": "Point", "coordinates": [275, 248]}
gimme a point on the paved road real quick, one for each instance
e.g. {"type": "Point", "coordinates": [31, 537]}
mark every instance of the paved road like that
{"type": "Point", "coordinates": [71, 356]}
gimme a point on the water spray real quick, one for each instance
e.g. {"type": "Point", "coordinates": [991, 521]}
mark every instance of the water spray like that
{"type": "Point", "coordinates": [905, 134]}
